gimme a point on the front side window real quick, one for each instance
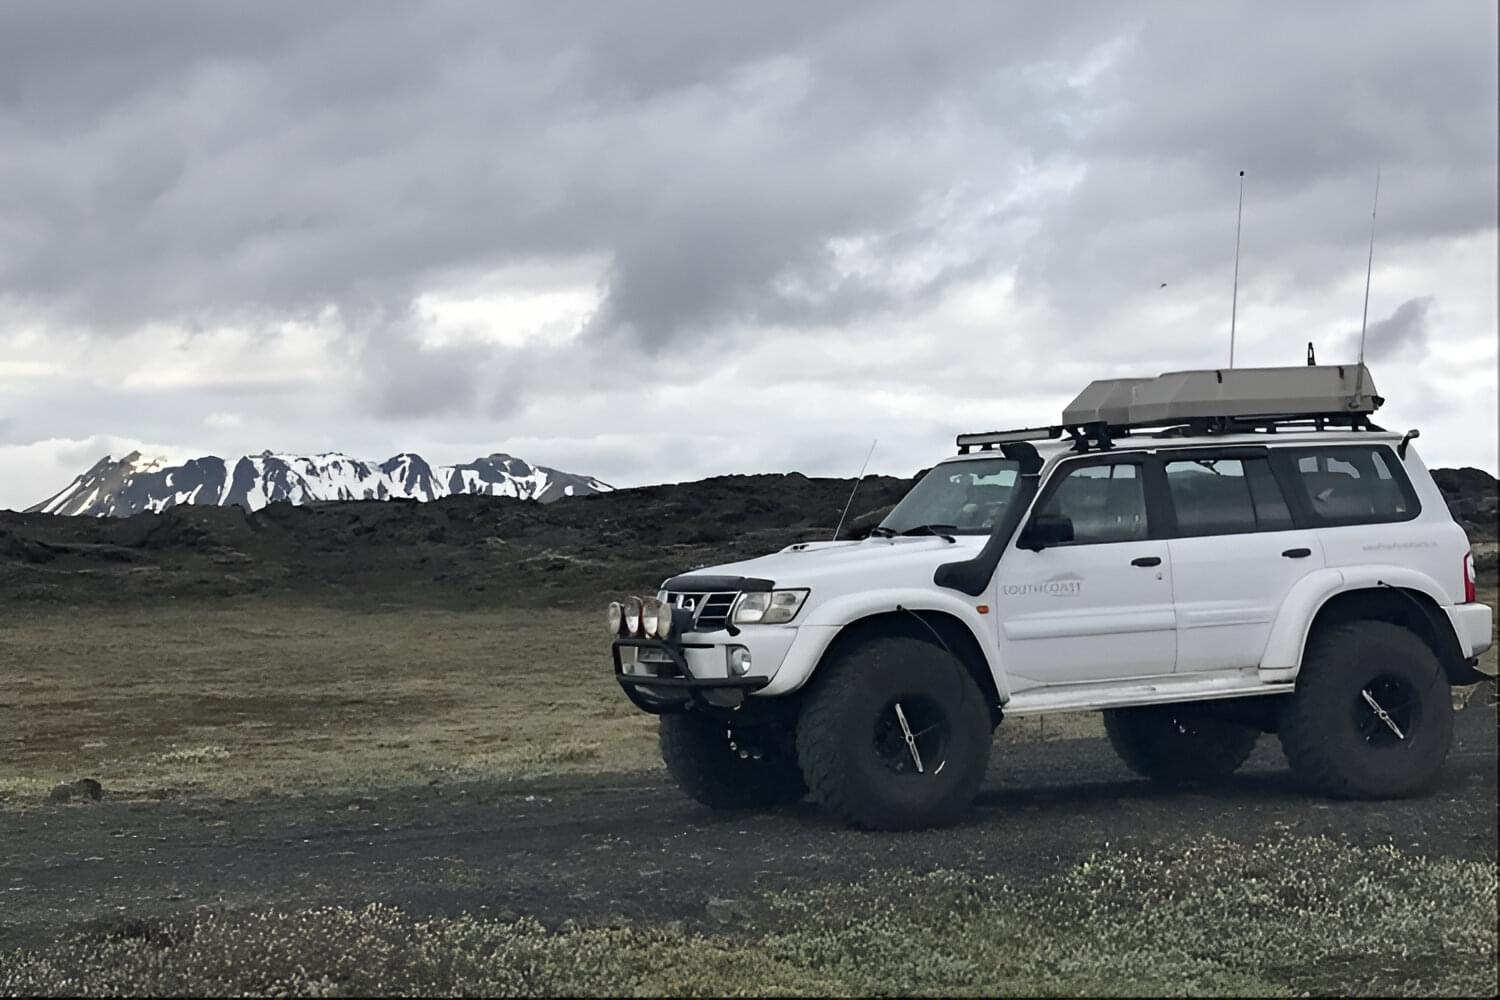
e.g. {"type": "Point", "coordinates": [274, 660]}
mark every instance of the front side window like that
{"type": "Point", "coordinates": [1221, 496]}
{"type": "Point", "coordinates": [1106, 503]}
{"type": "Point", "coordinates": [1353, 484]}
{"type": "Point", "coordinates": [963, 498]}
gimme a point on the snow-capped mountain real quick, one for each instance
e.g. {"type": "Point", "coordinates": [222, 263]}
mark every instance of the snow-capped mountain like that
{"type": "Point", "coordinates": [135, 483]}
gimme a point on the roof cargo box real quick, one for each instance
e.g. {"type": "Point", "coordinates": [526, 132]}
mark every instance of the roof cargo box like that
{"type": "Point", "coordinates": [1106, 399]}
{"type": "Point", "coordinates": [1241, 394]}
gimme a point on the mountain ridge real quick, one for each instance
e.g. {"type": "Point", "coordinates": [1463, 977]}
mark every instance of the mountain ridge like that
{"type": "Point", "coordinates": [137, 483]}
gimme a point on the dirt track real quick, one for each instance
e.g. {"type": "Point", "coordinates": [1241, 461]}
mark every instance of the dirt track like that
{"type": "Point", "coordinates": [600, 848]}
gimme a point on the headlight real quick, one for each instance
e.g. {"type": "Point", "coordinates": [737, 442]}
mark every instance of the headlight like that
{"type": "Point", "coordinates": [633, 617]}
{"type": "Point", "coordinates": [768, 607]}
{"type": "Point", "coordinates": [615, 616]}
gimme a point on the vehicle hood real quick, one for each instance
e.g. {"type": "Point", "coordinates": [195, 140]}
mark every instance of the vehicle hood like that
{"type": "Point", "coordinates": [879, 561]}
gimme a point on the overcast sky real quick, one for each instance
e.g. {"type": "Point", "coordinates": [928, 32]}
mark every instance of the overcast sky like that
{"type": "Point", "coordinates": [653, 242]}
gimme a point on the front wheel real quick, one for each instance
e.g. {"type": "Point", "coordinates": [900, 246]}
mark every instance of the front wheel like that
{"type": "Point", "coordinates": [894, 735]}
{"type": "Point", "coordinates": [1372, 717]}
{"type": "Point", "coordinates": [727, 768]}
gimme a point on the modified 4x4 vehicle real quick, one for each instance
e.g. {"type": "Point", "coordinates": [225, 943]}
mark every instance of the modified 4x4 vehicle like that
{"type": "Point", "coordinates": [1203, 556]}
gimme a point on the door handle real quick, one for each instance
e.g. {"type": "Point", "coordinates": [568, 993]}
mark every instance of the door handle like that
{"type": "Point", "coordinates": [1146, 561]}
{"type": "Point", "coordinates": [1297, 553]}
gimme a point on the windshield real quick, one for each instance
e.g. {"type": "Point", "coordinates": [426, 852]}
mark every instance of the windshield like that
{"type": "Point", "coordinates": [963, 498]}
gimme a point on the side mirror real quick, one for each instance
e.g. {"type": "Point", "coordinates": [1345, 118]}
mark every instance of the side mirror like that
{"type": "Point", "coordinates": [1046, 530]}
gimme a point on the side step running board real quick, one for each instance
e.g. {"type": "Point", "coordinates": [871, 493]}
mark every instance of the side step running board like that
{"type": "Point", "coordinates": [1155, 691]}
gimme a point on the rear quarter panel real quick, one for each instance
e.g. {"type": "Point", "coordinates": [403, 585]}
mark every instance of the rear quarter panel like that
{"type": "Point", "coordinates": [1431, 545]}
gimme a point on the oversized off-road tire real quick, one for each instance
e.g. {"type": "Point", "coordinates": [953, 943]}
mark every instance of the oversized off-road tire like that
{"type": "Point", "coordinates": [1177, 744]}
{"type": "Point", "coordinates": [1332, 728]}
{"type": "Point", "coordinates": [704, 758]}
{"type": "Point", "coordinates": [852, 735]}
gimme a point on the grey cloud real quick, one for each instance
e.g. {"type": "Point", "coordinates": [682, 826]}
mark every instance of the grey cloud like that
{"type": "Point", "coordinates": [223, 166]}
{"type": "Point", "coordinates": [1403, 332]}
{"type": "Point", "coordinates": [401, 377]}
{"type": "Point", "coordinates": [82, 405]}
{"type": "Point", "coordinates": [175, 162]}
{"type": "Point", "coordinates": [1309, 101]}
{"type": "Point", "coordinates": [85, 454]}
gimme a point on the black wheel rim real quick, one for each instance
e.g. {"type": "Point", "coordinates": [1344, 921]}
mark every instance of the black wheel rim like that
{"type": "Point", "coordinates": [912, 736]}
{"type": "Point", "coordinates": [1386, 711]}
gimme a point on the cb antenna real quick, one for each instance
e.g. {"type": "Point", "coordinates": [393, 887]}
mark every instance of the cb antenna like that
{"type": "Point", "coordinates": [1364, 322]}
{"type": "Point", "coordinates": [1234, 302]}
{"type": "Point", "coordinates": [858, 479]}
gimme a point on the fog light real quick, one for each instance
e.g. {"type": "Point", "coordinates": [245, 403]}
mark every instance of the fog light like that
{"type": "Point", "coordinates": [739, 660]}
{"type": "Point", "coordinates": [616, 617]}
{"type": "Point", "coordinates": [651, 614]}
{"type": "Point", "coordinates": [633, 617]}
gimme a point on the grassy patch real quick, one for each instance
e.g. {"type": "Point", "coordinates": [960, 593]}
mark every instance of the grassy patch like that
{"type": "Point", "coordinates": [240, 697]}
{"type": "Point", "coordinates": [1287, 917]}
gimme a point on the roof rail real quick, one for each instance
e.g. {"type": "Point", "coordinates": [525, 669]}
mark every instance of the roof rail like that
{"type": "Point", "coordinates": [1094, 434]}
{"type": "Point", "coordinates": [1101, 437]}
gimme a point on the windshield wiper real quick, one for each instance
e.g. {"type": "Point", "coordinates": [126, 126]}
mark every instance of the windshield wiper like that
{"type": "Point", "coordinates": [940, 530]}
{"type": "Point", "coordinates": [881, 531]}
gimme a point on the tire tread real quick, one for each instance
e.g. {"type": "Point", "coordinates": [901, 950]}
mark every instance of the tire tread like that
{"type": "Point", "coordinates": [1304, 728]}
{"type": "Point", "coordinates": [821, 746]}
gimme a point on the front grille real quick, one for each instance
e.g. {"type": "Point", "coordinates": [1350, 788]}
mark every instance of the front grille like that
{"type": "Point", "coordinates": [710, 611]}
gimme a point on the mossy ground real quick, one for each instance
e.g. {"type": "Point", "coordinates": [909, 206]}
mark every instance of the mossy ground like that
{"type": "Point", "coordinates": [1286, 917]}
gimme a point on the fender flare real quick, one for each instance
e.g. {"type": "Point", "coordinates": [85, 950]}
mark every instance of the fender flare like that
{"type": "Point", "coordinates": [826, 621]}
{"type": "Point", "coordinates": [1289, 631]}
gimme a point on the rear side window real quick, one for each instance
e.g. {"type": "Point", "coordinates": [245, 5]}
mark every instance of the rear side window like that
{"type": "Point", "coordinates": [1353, 485]}
{"type": "Point", "coordinates": [1224, 496]}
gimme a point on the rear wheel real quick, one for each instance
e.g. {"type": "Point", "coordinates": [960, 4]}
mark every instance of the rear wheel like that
{"type": "Point", "coordinates": [1176, 744]}
{"type": "Point", "coordinates": [728, 768]}
{"type": "Point", "coordinates": [1372, 716]}
{"type": "Point", "coordinates": [894, 735]}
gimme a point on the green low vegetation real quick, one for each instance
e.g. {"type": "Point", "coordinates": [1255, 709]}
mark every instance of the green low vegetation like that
{"type": "Point", "coordinates": [237, 698]}
{"type": "Point", "coordinates": [243, 697]}
{"type": "Point", "coordinates": [1288, 917]}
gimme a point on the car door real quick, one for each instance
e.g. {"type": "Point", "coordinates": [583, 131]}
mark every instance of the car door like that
{"type": "Point", "coordinates": [1235, 554]}
{"type": "Point", "coordinates": [1096, 607]}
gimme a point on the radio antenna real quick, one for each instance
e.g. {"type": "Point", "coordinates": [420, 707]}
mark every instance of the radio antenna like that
{"type": "Point", "coordinates": [1234, 302]}
{"type": "Point", "coordinates": [1364, 322]}
{"type": "Point", "coordinates": [858, 479]}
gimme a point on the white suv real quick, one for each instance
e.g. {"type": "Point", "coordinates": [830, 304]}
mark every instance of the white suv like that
{"type": "Point", "coordinates": [1263, 561]}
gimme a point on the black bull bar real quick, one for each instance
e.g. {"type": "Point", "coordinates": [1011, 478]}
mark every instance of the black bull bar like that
{"type": "Point", "coordinates": [671, 693]}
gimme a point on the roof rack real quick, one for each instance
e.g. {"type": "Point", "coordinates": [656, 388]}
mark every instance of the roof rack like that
{"type": "Point", "coordinates": [1210, 401]}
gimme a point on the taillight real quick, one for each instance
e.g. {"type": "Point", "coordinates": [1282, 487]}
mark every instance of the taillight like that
{"type": "Point", "coordinates": [1470, 593]}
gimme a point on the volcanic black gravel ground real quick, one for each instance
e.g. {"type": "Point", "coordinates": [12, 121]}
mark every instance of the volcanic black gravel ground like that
{"type": "Point", "coordinates": [597, 849]}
